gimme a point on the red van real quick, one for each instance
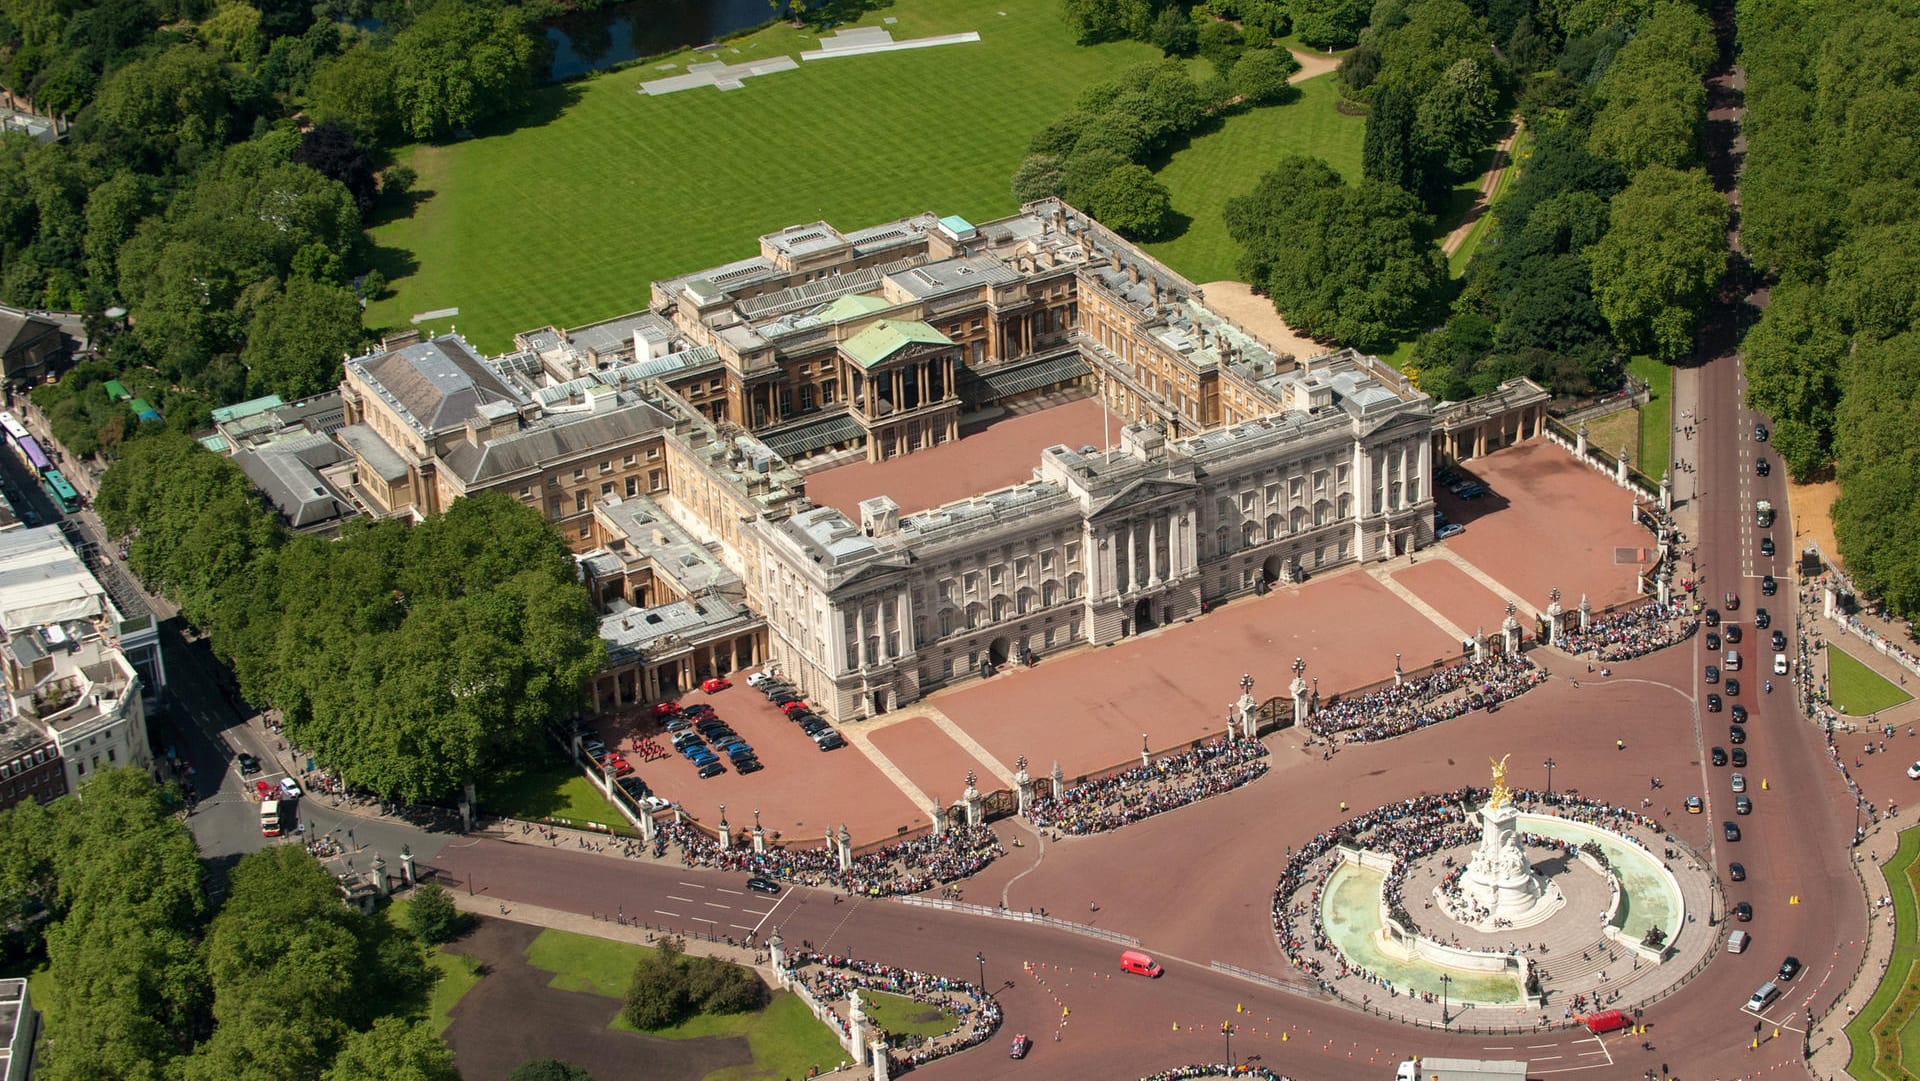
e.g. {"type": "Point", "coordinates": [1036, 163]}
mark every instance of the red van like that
{"type": "Point", "coordinates": [1140, 964]}
{"type": "Point", "coordinates": [1606, 1021]}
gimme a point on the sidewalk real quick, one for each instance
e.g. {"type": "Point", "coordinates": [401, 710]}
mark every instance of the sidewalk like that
{"type": "Point", "coordinates": [630, 931]}
{"type": "Point", "coordinates": [1831, 1049]}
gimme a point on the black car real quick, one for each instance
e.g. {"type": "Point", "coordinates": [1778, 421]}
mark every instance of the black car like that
{"type": "Point", "coordinates": [762, 884]}
{"type": "Point", "coordinates": [1736, 735]}
{"type": "Point", "coordinates": [249, 765]}
{"type": "Point", "coordinates": [1789, 968]}
{"type": "Point", "coordinates": [1713, 617]}
{"type": "Point", "coordinates": [711, 769]}
{"type": "Point", "coordinates": [1760, 433]}
{"type": "Point", "coordinates": [1730, 830]}
{"type": "Point", "coordinates": [1719, 756]}
{"type": "Point", "coordinates": [1743, 805]}
{"type": "Point", "coordinates": [1742, 911]}
{"type": "Point", "coordinates": [1766, 548]}
{"type": "Point", "coordinates": [1768, 587]}
{"type": "Point", "coordinates": [1713, 673]}
{"type": "Point", "coordinates": [1779, 641]}
{"type": "Point", "coordinates": [1733, 687]}
{"type": "Point", "coordinates": [1737, 872]}
{"type": "Point", "coordinates": [1762, 467]}
{"type": "Point", "coordinates": [1733, 634]}
{"type": "Point", "coordinates": [1713, 703]}
{"type": "Point", "coordinates": [814, 726]}
{"type": "Point", "coordinates": [1739, 713]}
{"type": "Point", "coordinates": [1740, 758]}
{"type": "Point", "coordinates": [831, 742]}
{"type": "Point", "coordinates": [1761, 619]}
{"type": "Point", "coordinates": [747, 765]}
{"type": "Point", "coordinates": [634, 786]}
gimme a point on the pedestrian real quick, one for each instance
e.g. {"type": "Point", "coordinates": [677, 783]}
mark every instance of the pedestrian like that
{"type": "Point", "coordinates": [1619, 744]}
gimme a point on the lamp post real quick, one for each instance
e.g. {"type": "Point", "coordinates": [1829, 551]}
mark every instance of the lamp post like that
{"type": "Point", "coordinates": [1226, 1029]}
{"type": "Point", "coordinates": [1445, 981]}
{"type": "Point", "coordinates": [982, 958]}
{"type": "Point", "coordinates": [1550, 763]}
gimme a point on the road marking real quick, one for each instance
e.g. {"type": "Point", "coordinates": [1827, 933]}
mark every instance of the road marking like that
{"type": "Point", "coordinates": [1532, 1046]}
{"type": "Point", "coordinates": [735, 893]}
{"type": "Point", "coordinates": [711, 904]}
{"type": "Point", "coordinates": [1602, 1051]}
{"type": "Point", "coordinates": [1543, 1058]}
{"type": "Point", "coordinates": [664, 912]}
{"type": "Point", "coordinates": [751, 912]}
{"type": "Point", "coordinates": [1500, 1047]}
{"type": "Point", "coordinates": [768, 914]}
{"type": "Point", "coordinates": [693, 885]}
{"type": "Point", "coordinates": [743, 927]}
{"type": "Point", "coordinates": [671, 897]}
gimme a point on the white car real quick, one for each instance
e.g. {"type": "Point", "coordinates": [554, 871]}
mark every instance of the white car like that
{"type": "Point", "coordinates": [289, 788]}
{"type": "Point", "coordinates": [654, 803]}
{"type": "Point", "coordinates": [1913, 771]}
{"type": "Point", "coordinates": [758, 678]}
{"type": "Point", "coordinates": [1779, 664]}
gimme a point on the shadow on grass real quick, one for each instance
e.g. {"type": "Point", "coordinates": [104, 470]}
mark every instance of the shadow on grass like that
{"type": "Point", "coordinates": [531, 790]}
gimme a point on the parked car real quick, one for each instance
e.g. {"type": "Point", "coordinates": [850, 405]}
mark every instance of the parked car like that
{"type": "Point", "coordinates": [717, 683]}
{"type": "Point", "coordinates": [757, 679]}
{"type": "Point", "coordinates": [792, 707]}
{"type": "Point", "coordinates": [712, 768]}
{"type": "Point", "coordinates": [745, 766]}
{"type": "Point", "coordinates": [662, 709]}
{"type": "Point", "coordinates": [633, 786]}
{"type": "Point", "coordinates": [249, 765]}
{"type": "Point", "coordinates": [1736, 872]}
{"type": "Point", "coordinates": [831, 742]}
{"type": "Point", "coordinates": [763, 884]}
{"type": "Point", "coordinates": [1713, 703]}
{"type": "Point", "coordinates": [697, 712]}
{"type": "Point", "coordinates": [1730, 830]}
{"type": "Point", "coordinates": [1451, 529]}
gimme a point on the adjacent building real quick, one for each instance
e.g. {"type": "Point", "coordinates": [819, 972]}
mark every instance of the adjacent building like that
{"type": "Point", "coordinates": [669, 446]}
{"type": "Point", "coordinates": [77, 672]}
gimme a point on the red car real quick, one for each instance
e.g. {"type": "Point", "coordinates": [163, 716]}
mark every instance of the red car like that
{"type": "Point", "coordinates": [791, 708]}
{"type": "Point", "coordinates": [661, 709]}
{"type": "Point", "coordinates": [618, 765]}
{"type": "Point", "coordinates": [1021, 1045]}
{"type": "Point", "coordinates": [266, 790]}
{"type": "Point", "coordinates": [717, 683]}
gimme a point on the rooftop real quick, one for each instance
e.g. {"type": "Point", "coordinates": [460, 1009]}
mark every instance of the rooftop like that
{"type": "Point", "coordinates": [649, 633]}
{"type": "Point", "coordinates": [435, 386]}
{"type": "Point", "coordinates": [885, 337]}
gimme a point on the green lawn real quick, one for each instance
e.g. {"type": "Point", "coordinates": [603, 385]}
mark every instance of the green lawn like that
{"type": "Point", "coordinates": [784, 1037]}
{"type": "Point", "coordinates": [1655, 457]}
{"type": "Point", "coordinates": [549, 788]}
{"type": "Point", "coordinates": [1229, 160]}
{"type": "Point", "coordinates": [905, 1017]}
{"type": "Point", "coordinates": [1859, 691]}
{"type": "Point", "coordinates": [1895, 1006]}
{"type": "Point", "coordinates": [1457, 262]}
{"type": "Point", "coordinates": [567, 218]}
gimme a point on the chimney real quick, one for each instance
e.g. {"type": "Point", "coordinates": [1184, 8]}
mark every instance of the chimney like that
{"type": "Point", "coordinates": [1113, 259]}
{"type": "Point", "coordinates": [1133, 273]}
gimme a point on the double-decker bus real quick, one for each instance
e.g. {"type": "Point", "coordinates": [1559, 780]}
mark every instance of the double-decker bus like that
{"type": "Point", "coordinates": [60, 491]}
{"type": "Point", "coordinates": [12, 426]}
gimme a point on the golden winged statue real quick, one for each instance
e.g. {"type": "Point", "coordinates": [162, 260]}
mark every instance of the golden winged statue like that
{"type": "Point", "coordinates": [1501, 794]}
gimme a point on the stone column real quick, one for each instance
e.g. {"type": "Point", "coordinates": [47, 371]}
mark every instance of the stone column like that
{"type": "Point", "coordinates": [1620, 468]}
{"type": "Point", "coordinates": [726, 831]}
{"type": "Point", "coordinates": [1023, 784]}
{"type": "Point", "coordinates": [648, 827]}
{"type": "Point", "coordinates": [1586, 614]}
{"type": "Point", "coordinates": [860, 657]}
{"type": "Point", "coordinates": [1553, 618]}
{"type": "Point", "coordinates": [1153, 551]}
{"type": "Point", "coordinates": [1480, 643]}
{"type": "Point", "coordinates": [856, 1029]}
{"type": "Point", "coordinates": [845, 845]}
{"type": "Point", "coordinates": [777, 954]}
{"type": "Point", "coordinates": [380, 883]}
{"type": "Point", "coordinates": [759, 835]}
{"type": "Point", "coordinates": [976, 804]}
{"type": "Point", "coordinates": [1511, 629]}
{"type": "Point", "coordinates": [879, 1050]}
{"type": "Point", "coordinates": [1249, 716]}
{"type": "Point", "coordinates": [939, 818]}
{"type": "Point", "coordinates": [1133, 557]}
{"type": "Point", "coordinates": [1059, 781]}
{"type": "Point", "coordinates": [406, 864]}
{"type": "Point", "coordinates": [1666, 493]}
{"type": "Point", "coordinates": [1299, 690]}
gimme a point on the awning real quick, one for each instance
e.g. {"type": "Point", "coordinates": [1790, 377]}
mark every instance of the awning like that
{"type": "Point", "coordinates": [1044, 373]}
{"type": "Point", "coordinates": [803, 439]}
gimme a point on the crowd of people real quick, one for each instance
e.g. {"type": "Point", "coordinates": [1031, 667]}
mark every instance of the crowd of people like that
{"type": "Point", "coordinates": [1415, 703]}
{"type": "Point", "coordinates": [911, 866]}
{"type": "Point", "coordinates": [1408, 830]}
{"type": "Point", "coordinates": [831, 978]}
{"type": "Point", "coordinates": [1145, 791]}
{"type": "Point", "coordinates": [1633, 632]}
{"type": "Point", "coordinates": [1217, 1069]}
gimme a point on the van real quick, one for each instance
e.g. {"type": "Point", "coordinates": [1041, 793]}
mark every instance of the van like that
{"type": "Point", "coordinates": [1605, 1021]}
{"type": "Point", "coordinates": [1737, 942]}
{"type": "Point", "coordinates": [1732, 660]}
{"type": "Point", "coordinates": [1141, 964]}
{"type": "Point", "coordinates": [1763, 997]}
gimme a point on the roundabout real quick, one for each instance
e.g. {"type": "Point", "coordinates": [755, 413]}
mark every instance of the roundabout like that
{"type": "Point", "coordinates": [1524, 910]}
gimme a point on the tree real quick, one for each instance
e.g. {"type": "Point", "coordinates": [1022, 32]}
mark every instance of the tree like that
{"type": "Point", "coordinates": [1875, 518]}
{"type": "Point", "coordinates": [1665, 248]}
{"type": "Point", "coordinates": [356, 91]}
{"type": "Point", "coordinates": [1456, 115]}
{"type": "Point", "coordinates": [432, 917]}
{"type": "Point", "coordinates": [395, 1049]}
{"type": "Point", "coordinates": [657, 993]}
{"type": "Point", "coordinates": [1872, 286]}
{"type": "Point", "coordinates": [330, 149]}
{"type": "Point", "coordinates": [297, 338]}
{"type": "Point", "coordinates": [548, 1069]}
{"type": "Point", "coordinates": [1260, 76]}
{"type": "Point", "coordinates": [1352, 263]}
{"type": "Point", "coordinates": [1173, 32]}
{"type": "Point", "coordinates": [1794, 356]}
{"type": "Point", "coordinates": [1329, 24]}
{"type": "Point", "coordinates": [1219, 42]}
{"type": "Point", "coordinates": [1130, 201]}
{"type": "Point", "coordinates": [1389, 151]}
{"type": "Point", "coordinates": [172, 104]}
{"type": "Point", "coordinates": [458, 65]}
{"type": "Point", "coordinates": [1039, 176]}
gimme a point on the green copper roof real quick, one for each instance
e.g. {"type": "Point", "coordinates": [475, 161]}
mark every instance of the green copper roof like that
{"type": "Point", "coordinates": [852, 306]}
{"type": "Point", "coordinates": [887, 337]}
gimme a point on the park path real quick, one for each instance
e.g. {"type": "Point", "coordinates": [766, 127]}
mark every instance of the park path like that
{"type": "Point", "coordinates": [1312, 65]}
{"type": "Point", "coordinates": [1489, 183]}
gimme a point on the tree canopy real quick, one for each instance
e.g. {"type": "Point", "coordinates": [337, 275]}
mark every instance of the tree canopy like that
{"type": "Point", "coordinates": [1665, 248]}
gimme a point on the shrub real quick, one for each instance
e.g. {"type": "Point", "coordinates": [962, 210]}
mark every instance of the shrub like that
{"type": "Point", "coordinates": [432, 917]}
